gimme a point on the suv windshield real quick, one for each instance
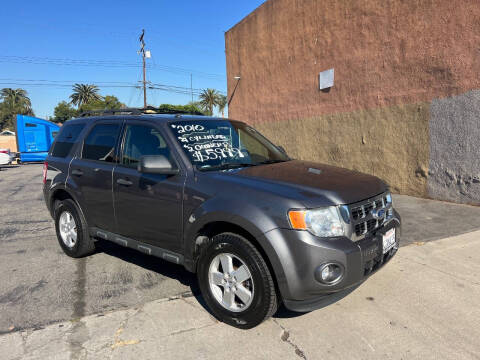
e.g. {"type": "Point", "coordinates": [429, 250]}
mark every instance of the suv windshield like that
{"type": "Point", "coordinates": [224, 144]}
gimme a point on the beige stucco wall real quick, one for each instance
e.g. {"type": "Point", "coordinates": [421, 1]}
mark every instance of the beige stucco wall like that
{"type": "Point", "coordinates": [391, 142]}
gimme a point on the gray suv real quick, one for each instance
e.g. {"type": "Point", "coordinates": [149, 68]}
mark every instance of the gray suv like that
{"type": "Point", "coordinates": [257, 227]}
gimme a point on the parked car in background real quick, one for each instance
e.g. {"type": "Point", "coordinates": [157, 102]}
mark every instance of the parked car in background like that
{"type": "Point", "coordinates": [215, 196]}
{"type": "Point", "coordinates": [6, 157]}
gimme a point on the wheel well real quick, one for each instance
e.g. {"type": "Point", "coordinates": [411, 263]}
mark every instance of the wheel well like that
{"type": "Point", "coordinates": [59, 195]}
{"type": "Point", "coordinates": [218, 227]}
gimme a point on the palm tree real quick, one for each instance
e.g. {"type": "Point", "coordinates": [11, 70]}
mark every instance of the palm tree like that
{"type": "Point", "coordinates": [209, 99]}
{"type": "Point", "coordinates": [16, 99]}
{"type": "Point", "coordinates": [221, 103]}
{"type": "Point", "coordinates": [84, 93]}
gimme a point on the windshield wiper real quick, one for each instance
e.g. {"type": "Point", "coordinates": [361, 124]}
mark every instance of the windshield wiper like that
{"type": "Point", "coordinates": [225, 166]}
{"type": "Point", "coordinates": [270, 162]}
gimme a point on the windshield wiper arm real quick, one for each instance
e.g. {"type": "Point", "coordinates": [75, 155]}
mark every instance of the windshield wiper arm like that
{"type": "Point", "coordinates": [271, 162]}
{"type": "Point", "coordinates": [225, 166]}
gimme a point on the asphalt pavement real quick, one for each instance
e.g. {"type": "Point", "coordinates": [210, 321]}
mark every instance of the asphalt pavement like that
{"type": "Point", "coordinates": [41, 286]}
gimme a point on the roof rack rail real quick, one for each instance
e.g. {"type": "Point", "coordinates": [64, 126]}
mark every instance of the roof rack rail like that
{"type": "Point", "coordinates": [137, 111]}
{"type": "Point", "coordinates": [125, 111]}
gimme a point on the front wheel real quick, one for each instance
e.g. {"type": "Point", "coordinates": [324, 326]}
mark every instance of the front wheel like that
{"type": "Point", "coordinates": [236, 282]}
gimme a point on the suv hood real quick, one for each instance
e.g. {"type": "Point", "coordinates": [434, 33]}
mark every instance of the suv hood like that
{"type": "Point", "coordinates": [315, 184]}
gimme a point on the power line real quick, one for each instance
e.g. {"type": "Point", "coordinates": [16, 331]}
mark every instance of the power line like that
{"type": "Point", "coordinates": [185, 91]}
{"type": "Point", "coordinates": [151, 86]}
{"type": "Point", "coordinates": [104, 63]}
{"type": "Point", "coordinates": [61, 85]}
{"type": "Point", "coordinates": [99, 83]}
{"type": "Point", "coordinates": [131, 34]}
{"type": "Point", "coordinates": [69, 81]}
{"type": "Point", "coordinates": [132, 92]}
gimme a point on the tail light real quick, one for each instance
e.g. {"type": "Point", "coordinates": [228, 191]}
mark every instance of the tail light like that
{"type": "Point", "coordinates": [45, 168]}
{"type": "Point", "coordinates": [4, 151]}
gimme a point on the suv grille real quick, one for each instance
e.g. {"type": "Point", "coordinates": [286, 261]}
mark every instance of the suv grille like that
{"type": "Point", "coordinates": [363, 218]}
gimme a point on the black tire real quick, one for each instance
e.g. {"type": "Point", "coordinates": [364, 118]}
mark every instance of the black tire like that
{"type": "Point", "coordinates": [84, 244]}
{"type": "Point", "coordinates": [264, 303]}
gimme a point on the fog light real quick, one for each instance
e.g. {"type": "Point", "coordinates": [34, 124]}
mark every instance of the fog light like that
{"type": "Point", "coordinates": [329, 273]}
{"type": "Point", "coordinates": [326, 273]}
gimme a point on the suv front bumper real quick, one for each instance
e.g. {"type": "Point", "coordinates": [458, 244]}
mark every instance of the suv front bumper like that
{"type": "Point", "coordinates": [296, 256]}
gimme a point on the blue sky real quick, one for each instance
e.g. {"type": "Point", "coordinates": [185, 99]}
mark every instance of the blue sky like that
{"type": "Point", "coordinates": [57, 43]}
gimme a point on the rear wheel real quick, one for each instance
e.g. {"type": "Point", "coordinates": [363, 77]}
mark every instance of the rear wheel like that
{"type": "Point", "coordinates": [72, 230]}
{"type": "Point", "coordinates": [236, 282]}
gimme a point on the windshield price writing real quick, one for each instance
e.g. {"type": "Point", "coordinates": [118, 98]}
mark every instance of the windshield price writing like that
{"type": "Point", "coordinates": [204, 144]}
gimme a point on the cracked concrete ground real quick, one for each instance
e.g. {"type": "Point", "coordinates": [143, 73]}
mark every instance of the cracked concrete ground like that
{"type": "Point", "coordinates": [423, 305]}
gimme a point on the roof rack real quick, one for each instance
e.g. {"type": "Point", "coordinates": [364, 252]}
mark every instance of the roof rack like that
{"type": "Point", "coordinates": [126, 111]}
{"type": "Point", "coordinates": [137, 111]}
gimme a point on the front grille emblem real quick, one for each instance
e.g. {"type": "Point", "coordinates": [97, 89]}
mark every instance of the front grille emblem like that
{"type": "Point", "coordinates": [378, 213]}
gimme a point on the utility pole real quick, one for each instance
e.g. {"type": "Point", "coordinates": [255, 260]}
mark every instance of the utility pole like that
{"type": "Point", "coordinates": [142, 51]}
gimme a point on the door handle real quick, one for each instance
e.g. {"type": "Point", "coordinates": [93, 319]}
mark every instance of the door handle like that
{"type": "Point", "coordinates": [124, 182]}
{"type": "Point", "coordinates": [77, 172]}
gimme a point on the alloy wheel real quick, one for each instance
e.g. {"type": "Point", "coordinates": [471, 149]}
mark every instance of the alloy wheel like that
{"type": "Point", "coordinates": [231, 282]}
{"type": "Point", "coordinates": [68, 229]}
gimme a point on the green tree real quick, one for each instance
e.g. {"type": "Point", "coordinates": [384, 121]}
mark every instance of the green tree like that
{"type": "Point", "coordinates": [16, 97]}
{"type": "Point", "coordinates": [195, 108]}
{"type": "Point", "coordinates": [14, 101]}
{"type": "Point", "coordinates": [209, 99]}
{"type": "Point", "coordinates": [63, 112]}
{"type": "Point", "coordinates": [221, 103]}
{"type": "Point", "coordinates": [83, 94]}
{"type": "Point", "coordinates": [191, 108]}
{"type": "Point", "coordinates": [107, 103]}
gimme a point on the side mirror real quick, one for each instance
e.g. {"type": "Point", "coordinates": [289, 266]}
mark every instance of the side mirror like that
{"type": "Point", "coordinates": [156, 164]}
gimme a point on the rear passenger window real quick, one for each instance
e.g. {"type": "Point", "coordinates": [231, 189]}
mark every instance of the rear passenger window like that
{"type": "Point", "coordinates": [100, 143]}
{"type": "Point", "coordinates": [66, 138]}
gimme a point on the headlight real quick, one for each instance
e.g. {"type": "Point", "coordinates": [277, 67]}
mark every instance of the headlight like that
{"type": "Point", "coordinates": [389, 198]}
{"type": "Point", "coordinates": [323, 222]}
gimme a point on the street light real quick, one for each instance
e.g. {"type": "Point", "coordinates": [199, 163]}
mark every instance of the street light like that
{"type": "Point", "coordinates": [234, 89]}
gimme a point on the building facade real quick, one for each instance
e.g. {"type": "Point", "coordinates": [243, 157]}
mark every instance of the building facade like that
{"type": "Point", "coordinates": [405, 104]}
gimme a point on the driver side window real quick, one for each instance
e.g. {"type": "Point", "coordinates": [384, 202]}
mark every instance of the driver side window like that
{"type": "Point", "coordinates": [142, 140]}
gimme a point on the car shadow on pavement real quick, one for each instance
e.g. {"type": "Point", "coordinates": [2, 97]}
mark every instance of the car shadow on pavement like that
{"type": "Point", "coordinates": [283, 312]}
{"type": "Point", "coordinates": [185, 277]}
{"type": "Point", "coordinates": [151, 263]}
{"type": "Point", "coordinates": [331, 299]}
